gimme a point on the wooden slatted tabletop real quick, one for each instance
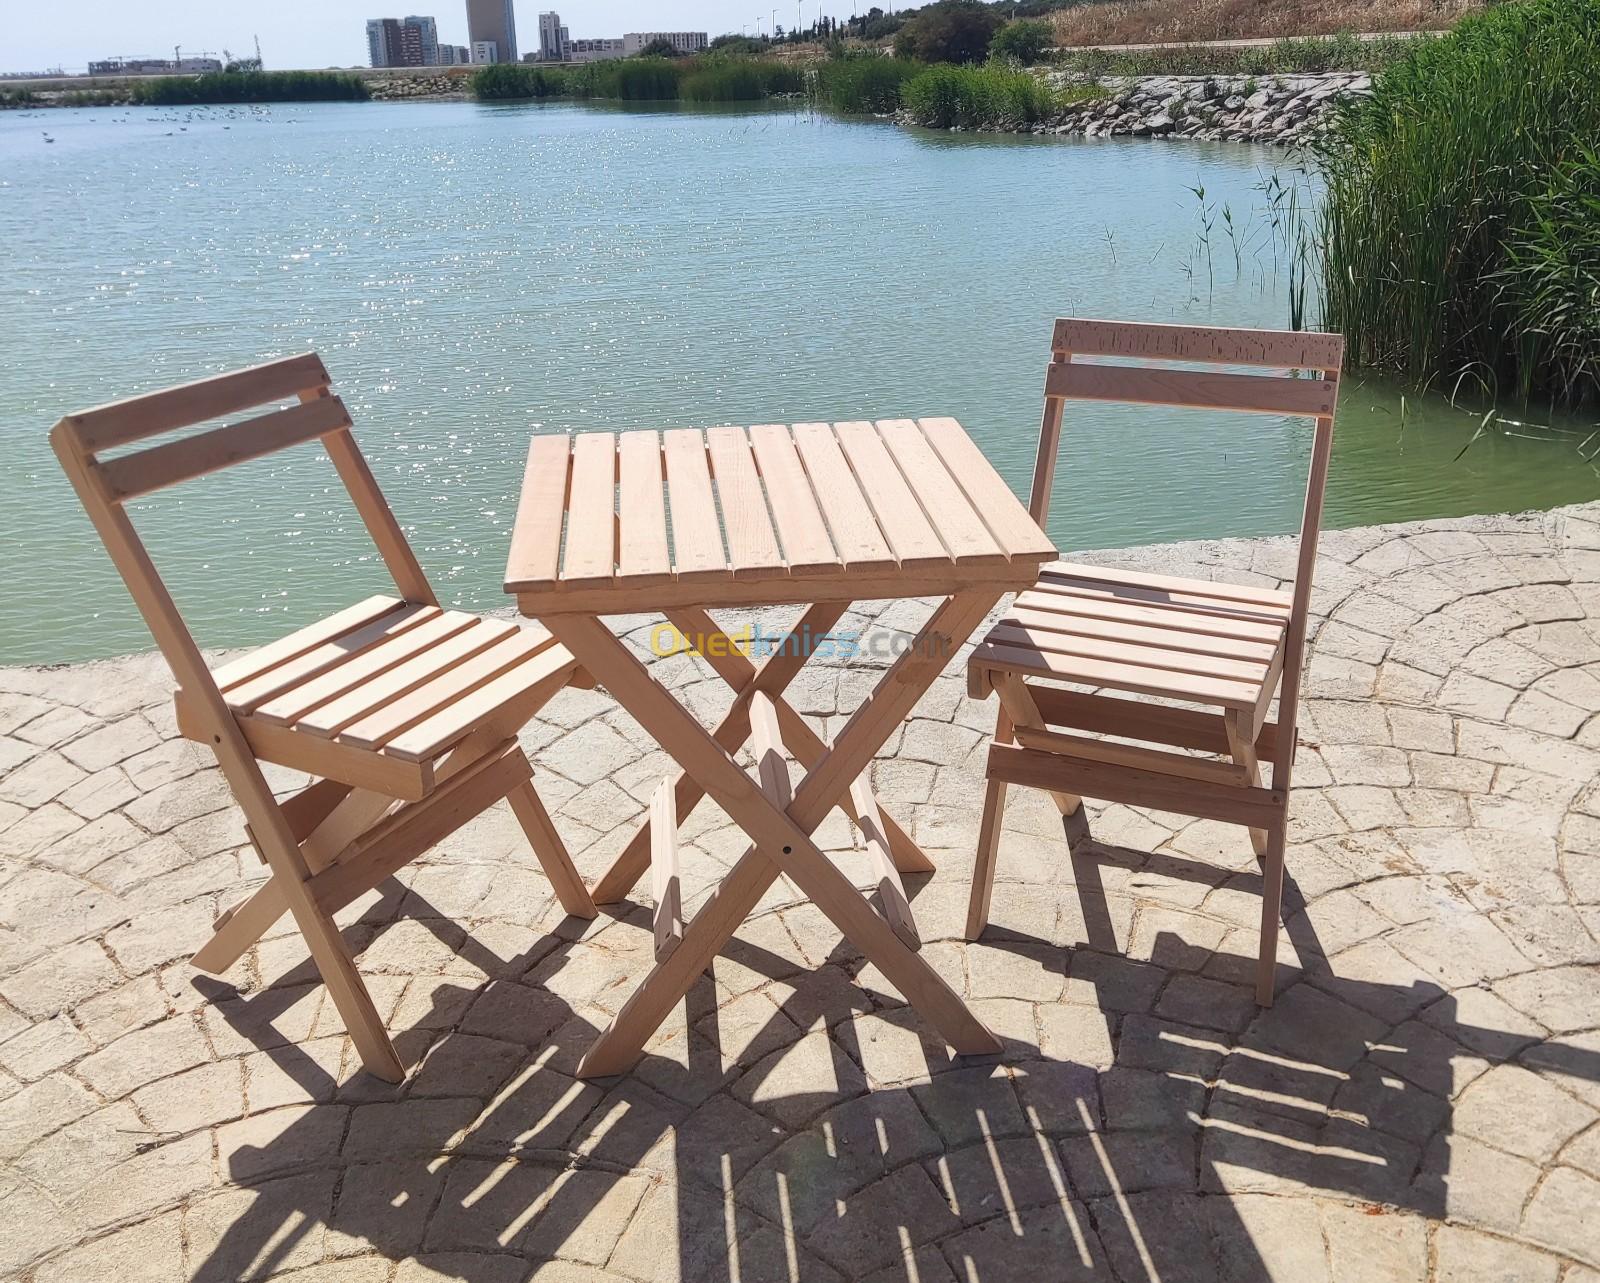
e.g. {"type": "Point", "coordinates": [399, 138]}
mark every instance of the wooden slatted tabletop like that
{"type": "Point", "coordinates": [612, 523]}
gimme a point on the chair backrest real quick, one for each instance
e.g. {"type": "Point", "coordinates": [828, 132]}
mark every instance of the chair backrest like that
{"type": "Point", "coordinates": [107, 485]}
{"type": "Point", "coordinates": [1301, 380]}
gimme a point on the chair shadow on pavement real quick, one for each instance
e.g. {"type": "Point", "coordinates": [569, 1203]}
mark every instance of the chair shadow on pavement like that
{"type": "Point", "coordinates": [1148, 1165]}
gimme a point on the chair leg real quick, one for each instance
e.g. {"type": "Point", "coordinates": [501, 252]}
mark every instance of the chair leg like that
{"type": "Point", "coordinates": [994, 807]}
{"type": "Point", "coordinates": [1243, 751]}
{"type": "Point", "coordinates": [1271, 911]}
{"type": "Point", "coordinates": [240, 927]}
{"type": "Point", "coordinates": [551, 851]}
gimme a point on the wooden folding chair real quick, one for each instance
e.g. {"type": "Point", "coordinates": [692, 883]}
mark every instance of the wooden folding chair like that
{"type": "Point", "coordinates": [1186, 642]}
{"type": "Point", "coordinates": [406, 713]}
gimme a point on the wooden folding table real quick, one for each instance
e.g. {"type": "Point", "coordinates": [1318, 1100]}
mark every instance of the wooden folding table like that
{"type": "Point", "coordinates": [684, 522]}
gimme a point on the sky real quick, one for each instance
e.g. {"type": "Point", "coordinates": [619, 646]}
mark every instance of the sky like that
{"type": "Point", "coordinates": [35, 36]}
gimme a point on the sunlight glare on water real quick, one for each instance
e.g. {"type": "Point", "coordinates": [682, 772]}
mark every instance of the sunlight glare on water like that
{"type": "Point", "coordinates": [474, 274]}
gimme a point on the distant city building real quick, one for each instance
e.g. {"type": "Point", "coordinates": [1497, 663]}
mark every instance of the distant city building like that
{"type": "Point", "coordinates": [684, 42]}
{"type": "Point", "coordinates": [422, 33]}
{"type": "Point", "coordinates": [153, 66]}
{"type": "Point", "coordinates": [485, 52]}
{"type": "Point", "coordinates": [595, 50]}
{"type": "Point", "coordinates": [383, 42]}
{"type": "Point", "coordinates": [454, 55]}
{"type": "Point", "coordinates": [492, 22]}
{"type": "Point", "coordinates": [554, 43]}
{"type": "Point", "coordinates": [402, 42]}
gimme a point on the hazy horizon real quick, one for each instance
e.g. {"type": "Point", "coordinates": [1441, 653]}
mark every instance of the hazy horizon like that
{"type": "Point", "coordinates": [332, 33]}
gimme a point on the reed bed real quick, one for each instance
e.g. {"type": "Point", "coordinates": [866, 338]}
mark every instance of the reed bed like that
{"type": "Point", "coordinates": [1460, 231]}
{"type": "Point", "coordinates": [249, 86]}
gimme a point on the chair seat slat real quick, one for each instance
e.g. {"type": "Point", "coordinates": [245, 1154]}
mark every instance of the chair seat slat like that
{"type": "Point", "coordinates": [1176, 638]}
{"type": "Point", "coordinates": [299, 642]}
{"type": "Point", "coordinates": [1008, 632]}
{"type": "Point", "coordinates": [1206, 620]}
{"type": "Point", "coordinates": [393, 718]}
{"type": "Point", "coordinates": [1072, 571]}
{"type": "Point", "coordinates": [1139, 679]}
{"type": "Point", "coordinates": [522, 689]}
{"type": "Point", "coordinates": [288, 708]}
{"type": "Point", "coordinates": [463, 636]}
{"type": "Point", "coordinates": [248, 696]}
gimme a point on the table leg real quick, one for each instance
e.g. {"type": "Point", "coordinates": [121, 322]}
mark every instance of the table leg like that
{"type": "Point", "coordinates": [798, 737]}
{"type": "Point", "coordinates": [782, 840]}
{"type": "Point", "coordinates": [773, 676]}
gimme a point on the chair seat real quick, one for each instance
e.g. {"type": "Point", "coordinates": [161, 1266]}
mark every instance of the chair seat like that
{"type": "Point", "coordinates": [1182, 639]}
{"type": "Point", "coordinates": [375, 694]}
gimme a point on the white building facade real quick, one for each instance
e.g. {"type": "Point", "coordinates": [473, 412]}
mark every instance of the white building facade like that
{"type": "Point", "coordinates": [682, 42]}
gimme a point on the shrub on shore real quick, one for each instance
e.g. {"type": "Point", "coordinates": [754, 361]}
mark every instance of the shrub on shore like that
{"type": "Point", "coordinates": [1025, 41]}
{"type": "Point", "coordinates": [250, 86]}
{"type": "Point", "coordinates": [956, 31]}
{"type": "Point", "coordinates": [739, 80]}
{"type": "Point", "coordinates": [1458, 233]}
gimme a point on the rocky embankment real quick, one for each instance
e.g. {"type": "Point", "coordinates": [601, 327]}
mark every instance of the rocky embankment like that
{"type": "Point", "coordinates": [446, 85]}
{"type": "Point", "coordinates": [1259, 109]}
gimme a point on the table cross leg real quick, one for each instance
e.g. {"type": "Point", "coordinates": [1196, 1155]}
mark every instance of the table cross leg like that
{"type": "Point", "coordinates": [772, 676]}
{"type": "Point", "coordinates": [782, 840]}
{"type": "Point", "coordinates": [798, 737]}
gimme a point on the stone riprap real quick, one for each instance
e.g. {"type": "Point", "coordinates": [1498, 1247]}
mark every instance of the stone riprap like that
{"type": "Point", "coordinates": [1258, 109]}
{"type": "Point", "coordinates": [1423, 1101]}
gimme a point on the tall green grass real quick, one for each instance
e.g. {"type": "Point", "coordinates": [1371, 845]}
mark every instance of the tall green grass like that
{"type": "Point", "coordinates": [1458, 232]}
{"type": "Point", "coordinates": [710, 79]}
{"type": "Point", "coordinates": [861, 83]}
{"type": "Point", "coordinates": [250, 86]}
{"type": "Point", "coordinates": [992, 96]}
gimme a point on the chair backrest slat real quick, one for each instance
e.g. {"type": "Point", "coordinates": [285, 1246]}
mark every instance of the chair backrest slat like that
{"type": "Point", "coordinates": [122, 422]}
{"type": "Point", "coordinates": [160, 466]}
{"type": "Point", "coordinates": [1192, 389]}
{"type": "Point", "coordinates": [1280, 349]}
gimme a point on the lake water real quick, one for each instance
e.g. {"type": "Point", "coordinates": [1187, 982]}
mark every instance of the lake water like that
{"type": "Point", "coordinates": [473, 274]}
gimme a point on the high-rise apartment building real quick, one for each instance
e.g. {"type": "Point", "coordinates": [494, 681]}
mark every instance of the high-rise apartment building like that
{"type": "Point", "coordinates": [554, 43]}
{"type": "Point", "coordinates": [492, 22]}
{"type": "Point", "coordinates": [423, 33]}
{"type": "Point", "coordinates": [402, 42]}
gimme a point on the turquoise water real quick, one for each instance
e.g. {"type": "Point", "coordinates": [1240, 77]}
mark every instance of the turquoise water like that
{"type": "Point", "coordinates": [473, 274]}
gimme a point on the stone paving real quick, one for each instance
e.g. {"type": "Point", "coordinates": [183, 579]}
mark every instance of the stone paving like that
{"type": "Point", "coordinates": [1423, 1101]}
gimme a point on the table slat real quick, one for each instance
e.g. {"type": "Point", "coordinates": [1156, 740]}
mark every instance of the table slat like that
{"type": "Point", "coordinates": [536, 536]}
{"type": "Point", "coordinates": [696, 532]}
{"type": "Point", "coordinates": [900, 516]}
{"type": "Point", "coordinates": [1016, 532]}
{"type": "Point", "coordinates": [752, 545]}
{"type": "Point", "coordinates": [592, 510]}
{"type": "Point", "coordinates": [960, 528]}
{"type": "Point", "coordinates": [855, 531]}
{"type": "Point", "coordinates": [643, 550]}
{"type": "Point", "coordinates": [794, 508]}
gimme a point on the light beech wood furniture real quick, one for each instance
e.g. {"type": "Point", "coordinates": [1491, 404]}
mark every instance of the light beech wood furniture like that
{"type": "Point", "coordinates": [406, 713]}
{"type": "Point", "coordinates": [819, 515]}
{"type": "Point", "coordinates": [1227, 649]}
